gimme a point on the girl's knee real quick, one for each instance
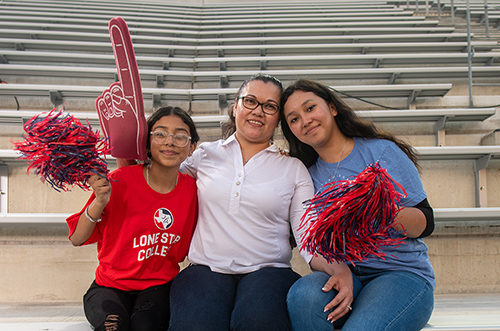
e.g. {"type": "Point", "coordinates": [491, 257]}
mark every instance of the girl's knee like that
{"type": "Point", "coordinates": [308, 291]}
{"type": "Point", "coordinates": [112, 323]}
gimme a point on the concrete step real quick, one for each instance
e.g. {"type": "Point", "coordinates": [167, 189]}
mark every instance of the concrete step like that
{"type": "Point", "coordinates": [452, 312]}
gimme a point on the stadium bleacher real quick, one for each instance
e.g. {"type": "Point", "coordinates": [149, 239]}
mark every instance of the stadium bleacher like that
{"type": "Point", "coordinates": [404, 70]}
{"type": "Point", "coordinates": [255, 62]}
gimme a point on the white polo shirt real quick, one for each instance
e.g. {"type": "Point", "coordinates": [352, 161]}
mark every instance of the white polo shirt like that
{"type": "Point", "coordinates": [245, 211]}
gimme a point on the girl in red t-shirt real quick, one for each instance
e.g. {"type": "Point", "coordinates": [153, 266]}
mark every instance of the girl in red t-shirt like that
{"type": "Point", "coordinates": [142, 218]}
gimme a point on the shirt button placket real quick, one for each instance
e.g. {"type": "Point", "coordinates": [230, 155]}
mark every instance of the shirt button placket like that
{"type": "Point", "coordinates": [235, 200]}
{"type": "Point", "coordinates": [238, 185]}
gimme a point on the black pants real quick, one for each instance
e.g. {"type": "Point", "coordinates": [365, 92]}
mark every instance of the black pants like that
{"type": "Point", "coordinates": [112, 309]}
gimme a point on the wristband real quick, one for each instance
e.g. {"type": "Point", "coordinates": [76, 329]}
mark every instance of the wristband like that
{"type": "Point", "coordinates": [90, 218]}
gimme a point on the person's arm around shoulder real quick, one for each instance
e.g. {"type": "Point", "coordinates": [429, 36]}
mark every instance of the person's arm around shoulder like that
{"type": "Point", "coordinates": [340, 280]}
{"type": "Point", "coordinates": [191, 164]}
{"type": "Point", "coordinates": [92, 214]}
{"type": "Point", "coordinates": [125, 162]}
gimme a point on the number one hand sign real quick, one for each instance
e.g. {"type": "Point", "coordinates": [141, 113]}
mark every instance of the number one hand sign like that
{"type": "Point", "coordinates": [120, 107]}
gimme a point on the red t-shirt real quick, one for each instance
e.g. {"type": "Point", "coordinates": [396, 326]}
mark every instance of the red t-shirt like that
{"type": "Point", "coordinates": [143, 234]}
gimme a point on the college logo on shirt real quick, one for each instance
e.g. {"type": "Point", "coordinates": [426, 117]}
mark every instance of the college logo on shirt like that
{"type": "Point", "coordinates": [163, 218]}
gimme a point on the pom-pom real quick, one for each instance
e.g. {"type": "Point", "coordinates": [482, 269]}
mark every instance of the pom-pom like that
{"type": "Point", "coordinates": [62, 151]}
{"type": "Point", "coordinates": [352, 220]}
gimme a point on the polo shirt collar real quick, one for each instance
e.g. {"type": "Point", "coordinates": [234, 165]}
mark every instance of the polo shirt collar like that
{"type": "Point", "coordinates": [232, 139]}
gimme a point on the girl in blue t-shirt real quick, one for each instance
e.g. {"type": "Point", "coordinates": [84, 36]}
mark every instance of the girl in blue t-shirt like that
{"type": "Point", "coordinates": [390, 293]}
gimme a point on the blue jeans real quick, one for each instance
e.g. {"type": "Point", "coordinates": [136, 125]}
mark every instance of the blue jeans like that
{"type": "Point", "coordinates": [384, 300]}
{"type": "Point", "coordinates": [205, 300]}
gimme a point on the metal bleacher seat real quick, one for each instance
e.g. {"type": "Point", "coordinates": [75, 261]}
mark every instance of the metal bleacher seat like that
{"type": "Point", "coordinates": [255, 62]}
{"type": "Point", "coordinates": [479, 155]}
{"type": "Point", "coordinates": [477, 12]}
{"type": "Point", "coordinates": [394, 34]}
{"type": "Point", "coordinates": [387, 74]}
{"type": "Point", "coordinates": [57, 93]}
{"type": "Point", "coordinates": [261, 49]}
{"type": "Point", "coordinates": [24, 30]}
{"type": "Point", "coordinates": [389, 35]}
{"type": "Point", "coordinates": [492, 20]}
{"type": "Point", "coordinates": [28, 18]}
{"type": "Point", "coordinates": [18, 117]}
{"type": "Point", "coordinates": [187, 15]}
{"type": "Point", "coordinates": [89, 25]}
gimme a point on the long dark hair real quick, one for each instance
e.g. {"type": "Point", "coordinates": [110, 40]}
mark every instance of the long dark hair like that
{"type": "Point", "coordinates": [229, 127]}
{"type": "Point", "coordinates": [349, 123]}
{"type": "Point", "coordinates": [167, 111]}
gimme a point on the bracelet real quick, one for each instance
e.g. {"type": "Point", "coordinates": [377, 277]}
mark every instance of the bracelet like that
{"type": "Point", "coordinates": [90, 218]}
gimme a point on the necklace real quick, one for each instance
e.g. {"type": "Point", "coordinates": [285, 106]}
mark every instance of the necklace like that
{"type": "Point", "coordinates": [147, 176]}
{"type": "Point", "coordinates": [147, 173]}
{"type": "Point", "coordinates": [338, 163]}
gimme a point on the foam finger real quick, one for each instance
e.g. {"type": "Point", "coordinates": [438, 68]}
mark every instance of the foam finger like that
{"type": "Point", "coordinates": [126, 63]}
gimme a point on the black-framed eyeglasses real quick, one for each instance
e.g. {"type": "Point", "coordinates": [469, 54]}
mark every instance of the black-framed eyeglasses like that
{"type": "Point", "coordinates": [269, 108]}
{"type": "Point", "coordinates": [178, 139]}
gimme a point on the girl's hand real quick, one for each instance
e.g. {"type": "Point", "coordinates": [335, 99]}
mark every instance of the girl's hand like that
{"type": "Point", "coordinates": [102, 189]}
{"type": "Point", "coordinates": [86, 224]}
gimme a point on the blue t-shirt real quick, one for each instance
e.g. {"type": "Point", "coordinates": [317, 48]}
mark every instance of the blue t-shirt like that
{"type": "Point", "coordinates": [412, 255]}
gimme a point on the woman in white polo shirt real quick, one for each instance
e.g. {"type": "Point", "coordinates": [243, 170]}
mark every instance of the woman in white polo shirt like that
{"type": "Point", "coordinates": [249, 196]}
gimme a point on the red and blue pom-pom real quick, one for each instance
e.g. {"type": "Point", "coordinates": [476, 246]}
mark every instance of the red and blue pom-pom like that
{"type": "Point", "coordinates": [352, 220]}
{"type": "Point", "coordinates": [62, 151]}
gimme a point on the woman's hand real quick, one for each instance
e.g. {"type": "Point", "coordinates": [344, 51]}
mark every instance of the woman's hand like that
{"type": "Point", "coordinates": [341, 281]}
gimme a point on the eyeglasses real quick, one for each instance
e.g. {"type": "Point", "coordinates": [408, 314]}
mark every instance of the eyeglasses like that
{"type": "Point", "coordinates": [267, 107]}
{"type": "Point", "coordinates": [178, 139]}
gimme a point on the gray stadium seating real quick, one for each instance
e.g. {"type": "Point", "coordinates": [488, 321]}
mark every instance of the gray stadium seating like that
{"type": "Point", "coordinates": [56, 52]}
